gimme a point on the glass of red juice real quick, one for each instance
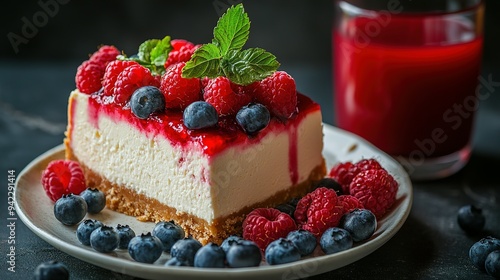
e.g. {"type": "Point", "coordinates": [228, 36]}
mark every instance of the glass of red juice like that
{"type": "Point", "coordinates": [406, 78]}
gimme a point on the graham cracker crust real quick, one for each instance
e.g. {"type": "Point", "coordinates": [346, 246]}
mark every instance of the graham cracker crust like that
{"type": "Point", "coordinates": [121, 199]}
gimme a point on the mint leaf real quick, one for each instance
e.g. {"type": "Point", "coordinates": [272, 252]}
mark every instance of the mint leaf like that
{"type": "Point", "coordinates": [204, 63]}
{"type": "Point", "coordinates": [145, 49]}
{"type": "Point", "coordinates": [159, 54]}
{"type": "Point", "coordinates": [232, 29]}
{"type": "Point", "coordinates": [224, 57]}
{"type": "Point", "coordinates": [248, 66]}
{"type": "Point", "coordinates": [152, 54]}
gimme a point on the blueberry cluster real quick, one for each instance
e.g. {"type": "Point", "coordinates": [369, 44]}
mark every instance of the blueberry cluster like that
{"type": "Point", "coordinates": [355, 226]}
{"type": "Point", "coordinates": [233, 252]}
{"type": "Point", "coordinates": [297, 244]}
{"type": "Point", "coordinates": [485, 253]}
{"type": "Point", "coordinates": [71, 209]}
{"type": "Point", "coordinates": [104, 238]}
{"type": "Point", "coordinates": [147, 100]}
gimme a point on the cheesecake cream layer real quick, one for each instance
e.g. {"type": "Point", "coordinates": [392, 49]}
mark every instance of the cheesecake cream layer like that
{"type": "Point", "coordinates": [187, 176]}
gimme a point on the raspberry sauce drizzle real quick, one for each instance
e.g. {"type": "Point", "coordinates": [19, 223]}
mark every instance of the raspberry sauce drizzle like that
{"type": "Point", "coordinates": [211, 141]}
{"type": "Point", "coordinates": [292, 154]}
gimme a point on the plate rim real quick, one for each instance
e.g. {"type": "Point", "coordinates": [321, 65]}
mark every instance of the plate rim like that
{"type": "Point", "coordinates": [137, 269]}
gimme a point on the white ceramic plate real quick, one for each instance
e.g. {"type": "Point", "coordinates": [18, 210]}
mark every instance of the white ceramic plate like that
{"type": "Point", "coordinates": [36, 211]}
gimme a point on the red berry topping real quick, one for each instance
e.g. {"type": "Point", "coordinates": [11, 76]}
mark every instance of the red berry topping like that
{"type": "Point", "coordinates": [113, 69]}
{"type": "Point", "coordinates": [183, 54]}
{"type": "Point", "coordinates": [376, 189]}
{"type": "Point", "coordinates": [367, 164]}
{"type": "Point", "coordinates": [62, 177]}
{"type": "Point", "coordinates": [204, 82]}
{"type": "Point", "coordinates": [179, 92]}
{"type": "Point", "coordinates": [178, 43]}
{"type": "Point", "coordinates": [264, 225]}
{"type": "Point", "coordinates": [130, 79]}
{"type": "Point", "coordinates": [279, 94]}
{"type": "Point", "coordinates": [345, 172]}
{"type": "Point", "coordinates": [318, 210]}
{"type": "Point", "coordinates": [349, 202]}
{"type": "Point", "coordinates": [104, 55]}
{"type": "Point", "coordinates": [221, 94]}
{"type": "Point", "coordinates": [88, 77]}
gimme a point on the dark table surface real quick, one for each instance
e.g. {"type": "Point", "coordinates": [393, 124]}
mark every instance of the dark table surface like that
{"type": "Point", "coordinates": [430, 245]}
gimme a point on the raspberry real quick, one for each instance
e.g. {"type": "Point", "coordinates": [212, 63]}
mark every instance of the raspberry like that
{"type": "Point", "coordinates": [376, 189]}
{"type": "Point", "coordinates": [264, 225]}
{"type": "Point", "coordinates": [345, 172]}
{"type": "Point", "coordinates": [220, 93]}
{"type": "Point", "coordinates": [279, 94]}
{"type": "Point", "coordinates": [178, 43]}
{"type": "Point", "coordinates": [179, 92]}
{"type": "Point", "coordinates": [183, 54]}
{"type": "Point", "coordinates": [349, 202]}
{"type": "Point", "coordinates": [62, 177]}
{"type": "Point", "coordinates": [318, 211]}
{"type": "Point", "coordinates": [342, 173]}
{"type": "Point", "coordinates": [104, 55]}
{"type": "Point", "coordinates": [113, 69]}
{"type": "Point", "coordinates": [204, 82]}
{"type": "Point", "coordinates": [130, 79]}
{"type": "Point", "coordinates": [367, 164]}
{"type": "Point", "coordinates": [88, 77]}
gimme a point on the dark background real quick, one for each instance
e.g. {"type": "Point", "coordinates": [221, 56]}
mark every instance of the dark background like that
{"type": "Point", "coordinates": [292, 30]}
{"type": "Point", "coordinates": [35, 83]}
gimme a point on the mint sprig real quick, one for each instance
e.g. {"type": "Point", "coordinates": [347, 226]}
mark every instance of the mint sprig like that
{"type": "Point", "coordinates": [152, 54]}
{"type": "Point", "coordinates": [232, 30]}
{"type": "Point", "coordinates": [224, 57]}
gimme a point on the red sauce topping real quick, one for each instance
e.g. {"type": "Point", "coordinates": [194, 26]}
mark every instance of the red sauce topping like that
{"type": "Point", "coordinates": [213, 140]}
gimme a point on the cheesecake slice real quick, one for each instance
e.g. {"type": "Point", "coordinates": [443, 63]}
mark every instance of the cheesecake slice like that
{"type": "Point", "coordinates": [205, 180]}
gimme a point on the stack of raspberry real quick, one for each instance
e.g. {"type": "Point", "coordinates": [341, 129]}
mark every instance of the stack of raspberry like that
{"type": "Point", "coordinates": [118, 79]}
{"type": "Point", "coordinates": [364, 184]}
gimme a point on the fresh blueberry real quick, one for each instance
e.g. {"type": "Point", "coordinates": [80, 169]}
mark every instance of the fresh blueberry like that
{"type": "Point", "coordinates": [230, 241]}
{"type": "Point", "coordinates": [281, 251]}
{"type": "Point", "coordinates": [360, 223]}
{"type": "Point", "coordinates": [330, 183]}
{"type": "Point", "coordinates": [168, 233]}
{"type": "Point", "coordinates": [253, 117]}
{"type": "Point", "coordinates": [104, 239]}
{"type": "Point", "coordinates": [185, 249]}
{"type": "Point", "coordinates": [125, 234]}
{"type": "Point", "coordinates": [286, 208]}
{"type": "Point", "coordinates": [335, 240]}
{"type": "Point", "coordinates": [145, 248]}
{"type": "Point", "coordinates": [146, 100]}
{"type": "Point", "coordinates": [177, 262]}
{"type": "Point", "coordinates": [70, 209]}
{"type": "Point", "coordinates": [304, 240]}
{"type": "Point", "coordinates": [200, 114]}
{"type": "Point", "coordinates": [96, 200]}
{"type": "Point", "coordinates": [492, 264]}
{"type": "Point", "coordinates": [471, 219]}
{"type": "Point", "coordinates": [85, 229]}
{"type": "Point", "coordinates": [244, 253]}
{"type": "Point", "coordinates": [51, 270]}
{"type": "Point", "coordinates": [480, 250]}
{"type": "Point", "coordinates": [210, 255]}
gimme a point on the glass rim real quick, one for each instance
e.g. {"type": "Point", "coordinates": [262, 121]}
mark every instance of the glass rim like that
{"type": "Point", "coordinates": [345, 5]}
